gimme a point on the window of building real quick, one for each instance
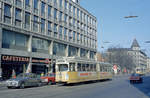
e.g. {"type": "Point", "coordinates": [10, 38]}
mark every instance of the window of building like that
{"type": "Point", "coordinates": [7, 13]}
{"type": "Point", "coordinates": [27, 4]}
{"type": "Point", "coordinates": [78, 39]}
{"type": "Point", "coordinates": [42, 26]}
{"type": "Point", "coordinates": [14, 40]}
{"type": "Point", "coordinates": [59, 49]}
{"type": "Point", "coordinates": [81, 37]}
{"type": "Point", "coordinates": [40, 45]}
{"type": "Point", "coordinates": [35, 23]}
{"type": "Point", "coordinates": [55, 30]}
{"type": "Point", "coordinates": [49, 28]}
{"type": "Point", "coordinates": [70, 21]}
{"type": "Point", "coordinates": [83, 53]}
{"type": "Point", "coordinates": [65, 18]}
{"type": "Point", "coordinates": [74, 36]}
{"type": "Point", "coordinates": [70, 7]}
{"type": "Point", "coordinates": [74, 9]}
{"type": "Point", "coordinates": [60, 3]}
{"type": "Point", "coordinates": [70, 35]}
{"type": "Point", "coordinates": [77, 13]}
{"type": "Point", "coordinates": [36, 6]}
{"type": "Point", "coordinates": [92, 54]}
{"type": "Point", "coordinates": [55, 2]}
{"type": "Point", "coordinates": [42, 9]}
{"type": "Point", "coordinates": [60, 16]}
{"type": "Point", "coordinates": [65, 4]}
{"type": "Point", "coordinates": [55, 13]}
{"type": "Point", "coordinates": [73, 51]}
{"type": "Point", "coordinates": [19, 3]}
{"type": "Point", "coordinates": [27, 20]}
{"type": "Point", "coordinates": [65, 33]}
{"type": "Point", "coordinates": [49, 11]}
{"type": "Point", "coordinates": [81, 15]}
{"type": "Point", "coordinates": [60, 32]}
{"type": "Point", "coordinates": [74, 24]}
{"type": "Point", "coordinates": [18, 17]}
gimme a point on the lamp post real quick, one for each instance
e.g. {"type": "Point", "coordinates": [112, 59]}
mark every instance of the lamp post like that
{"type": "Point", "coordinates": [103, 50]}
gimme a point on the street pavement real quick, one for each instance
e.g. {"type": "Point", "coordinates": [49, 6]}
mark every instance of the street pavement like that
{"type": "Point", "coordinates": [118, 87]}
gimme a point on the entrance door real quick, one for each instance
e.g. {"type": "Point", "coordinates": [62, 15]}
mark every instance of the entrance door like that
{"type": "Point", "coordinates": [6, 71]}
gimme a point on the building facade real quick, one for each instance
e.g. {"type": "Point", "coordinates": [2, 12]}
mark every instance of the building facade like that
{"type": "Point", "coordinates": [148, 64]}
{"type": "Point", "coordinates": [138, 57]}
{"type": "Point", "coordinates": [34, 33]}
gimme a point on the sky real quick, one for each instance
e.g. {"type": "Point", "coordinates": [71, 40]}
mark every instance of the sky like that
{"type": "Point", "coordinates": [114, 28]}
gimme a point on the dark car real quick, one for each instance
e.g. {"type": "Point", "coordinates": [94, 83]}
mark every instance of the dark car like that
{"type": "Point", "coordinates": [48, 78]}
{"type": "Point", "coordinates": [136, 78]}
{"type": "Point", "coordinates": [24, 80]}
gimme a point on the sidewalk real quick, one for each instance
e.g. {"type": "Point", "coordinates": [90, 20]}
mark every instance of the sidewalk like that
{"type": "Point", "coordinates": [2, 83]}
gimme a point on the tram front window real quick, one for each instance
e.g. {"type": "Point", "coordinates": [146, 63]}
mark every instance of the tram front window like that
{"type": "Point", "coordinates": [62, 67]}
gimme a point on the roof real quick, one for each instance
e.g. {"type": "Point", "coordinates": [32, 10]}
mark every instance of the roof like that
{"type": "Point", "coordinates": [135, 43]}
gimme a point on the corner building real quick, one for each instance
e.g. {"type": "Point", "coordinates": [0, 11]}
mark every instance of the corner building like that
{"type": "Point", "coordinates": [34, 33]}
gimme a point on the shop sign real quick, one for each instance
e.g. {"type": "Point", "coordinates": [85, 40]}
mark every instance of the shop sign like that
{"type": "Point", "coordinates": [45, 61]}
{"type": "Point", "coordinates": [8, 58]}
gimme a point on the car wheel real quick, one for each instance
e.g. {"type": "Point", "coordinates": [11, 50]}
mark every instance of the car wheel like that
{"type": "Point", "coordinates": [39, 84]}
{"type": "Point", "coordinates": [141, 80]}
{"type": "Point", "coordinates": [9, 87]}
{"type": "Point", "coordinates": [131, 81]}
{"type": "Point", "coordinates": [22, 85]}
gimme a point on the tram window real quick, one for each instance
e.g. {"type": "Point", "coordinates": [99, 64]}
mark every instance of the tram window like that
{"type": "Point", "coordinates": [79, 67]}
{"type": "Point", "coordinates": [101, 68]}
{"type": "Point", "coordinates": [87, 67]}
{"type": "Point", "coordinates": [63, 67]}
{"type": "Point", "coordinates": [72, 66]}
{"type": "Point", "coordinates": [91, 67]}
{"type": "Point", "coordinates": [83, 67]}
{"type": "Point", "coordinates": [94, 67]}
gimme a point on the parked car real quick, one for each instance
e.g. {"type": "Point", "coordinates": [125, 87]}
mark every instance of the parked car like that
{"type": "Point", "coordinates": [136, 78]}
{"type": "Point", "coordinates": [48, 78]}
{"type": "Point", "coordinates": [24, 80]}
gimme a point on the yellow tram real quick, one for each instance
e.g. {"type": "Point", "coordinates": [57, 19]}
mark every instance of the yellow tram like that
{"type": "Point", "coordinates": [75, 70]}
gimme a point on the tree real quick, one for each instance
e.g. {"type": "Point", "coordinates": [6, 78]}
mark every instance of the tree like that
{"type": "Point", "coordinates": [121, 57]}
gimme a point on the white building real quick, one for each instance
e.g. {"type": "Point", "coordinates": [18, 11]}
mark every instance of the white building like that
{"type": "Point", "coordinates": [36, 32]}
